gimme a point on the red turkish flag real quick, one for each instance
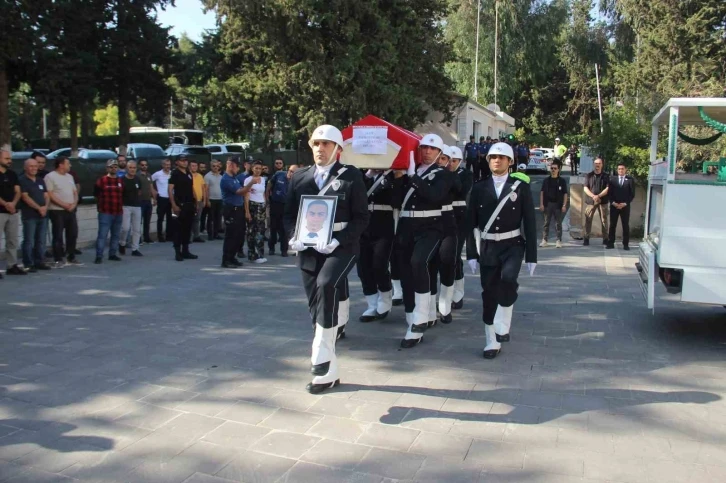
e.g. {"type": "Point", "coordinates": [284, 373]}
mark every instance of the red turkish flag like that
{"type": "Point", "coordinates": [378, 144]}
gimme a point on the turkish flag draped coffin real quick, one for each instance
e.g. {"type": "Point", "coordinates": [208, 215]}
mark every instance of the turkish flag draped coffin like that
{"type": "Point", "coordinates": [373, 143]}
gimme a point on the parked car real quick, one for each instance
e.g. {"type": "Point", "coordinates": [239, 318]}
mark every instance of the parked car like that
{"type": "Point", "coordinates": [60, 152]}
{"type": "Point", "coordinates": [226, 149]}
{"type": "Point", "coordinates": [537, 161]}
{"type": "Point", "coordinates": [198, 153]}
{"type": "Point", "coordinates": [549, 153]}
{"type": "Point", "coordinates": [153, 153]}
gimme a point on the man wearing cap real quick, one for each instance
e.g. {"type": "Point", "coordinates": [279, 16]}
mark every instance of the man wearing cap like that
{"type": "Point", "coordinates": [376, 244]}
{"type": "Point", "coordinates": [559, 150]}
{"type": "Point", "coordinates": [459, 204]}
{"type": "Point", "coordinates": [499, 209]}
{"type": "Point", "coordinates": [325, 266]}
{"type": "Point", "coordinates": [108, 191]}
{"type": "Point", "coordinates": [233, 209]}
{"type": "Point", "coordinates": [471, 149]}
{"type": "Point", "coordinates": [183, 208]}
{"type": "Point", "coordinates": [419, 232]}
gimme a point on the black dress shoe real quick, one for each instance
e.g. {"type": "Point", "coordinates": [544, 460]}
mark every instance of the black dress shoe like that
{"type": "Point", "coordinates": [15, 270]}
{"type": "Point", "coordinates": [284, 254]}
{"type": "Point", "coordinates": [318, 388]}
{"type": "Point", "coordinates": [626, 248]}
{"type": "Point", "coordinates": [420, 328]}
{"type": "Point", "coordinates": [32, 269]}
{"type": "Point", "coordinates": [122, 249]}
{"type": "Point", "coordinates": [320, 369]}
{"type": "Point", "coordinates": [502, 338]}
{"type": "Point", "coordinates": [77, 252]}
{"type": "Point", "coordinates": [178, 257]}
{"type": "Point", "coordinates": [42, 266]}
{"type": "Point", "coordinates": [609, 247]}
{"type": "Point", "coordinates": [408, 343]}
{"type": "Point", "coordinates": [189, 256]}
{"type": "Point", "coordinates": [457, 305]}
{"type": "Point", "coordinates": [136, 253]}
{"type": "Point", "coordinates": [98, 260]}
{"type": "Point", "coordinates": [341, 333]}
{"type": "Point", "coordinates": [236, 262]}
{"type": "Point", "coordinates": [114, 258]}
{"type": "Point", "coordinates": [397, 302]}
{"type": "Point", "coordinates": [367, 318]}
{"type": "Point", "coordinates": [431, 323]}
{"type": "Point", "coordinates": [491, 354]}
{"type": "Point", "coordinates": [586, 242]}
{"type": "Point", "coordinates": [230, 265]}
{"type": "Point", "coordinates": [198, 240]}
{"type": "Point", "coordinates": [446, 319]}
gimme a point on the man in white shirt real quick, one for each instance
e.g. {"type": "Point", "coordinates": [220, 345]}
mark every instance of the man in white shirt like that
{"type": "Point", "coordinates": [213, 196]}
{"type": "Point", "coordinates": [63, 202]}
{"type": "Point", "coordinates": [163, 205]}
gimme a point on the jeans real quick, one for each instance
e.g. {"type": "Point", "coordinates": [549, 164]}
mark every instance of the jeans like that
{"type": "Point", "coordinates": [34, 230]}
{"type": "Point", "coordinates": [131, 223]}
{"type": "Point", "coordinates": [63, 221]}
{"type": "Point", "coordinates": [108, 223]}
{"type": "Point", "coordinates": [146, 220]}
{"type": "Point", "coordinates": [9, 225]}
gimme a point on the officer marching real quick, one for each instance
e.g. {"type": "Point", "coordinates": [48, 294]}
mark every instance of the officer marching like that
{"type": "Point", "coordinates": [466, 181]}
{"type": "Point", "coordinates": [499, 209]}
{"type": "Point", "coordinates": [325, 267]}
{"type": "Point", "coordinates": [376, 244]}
{"type": "Point", "coordinates": [418, 234]}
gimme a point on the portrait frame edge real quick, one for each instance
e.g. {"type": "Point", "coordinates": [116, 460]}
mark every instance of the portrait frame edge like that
{"type": "Point", "coordinates": [329, 200]}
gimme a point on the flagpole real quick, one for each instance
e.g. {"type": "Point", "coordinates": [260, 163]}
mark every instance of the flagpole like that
{"type": "Point", "coordinates": [476, 57]}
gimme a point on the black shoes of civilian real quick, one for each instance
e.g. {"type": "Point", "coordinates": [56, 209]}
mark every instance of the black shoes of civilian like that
{"type": "Point", "coordinates": [77, 252]}
{"type": "Point", "coordinates": [178, 257]}
{"type": "Point", "coordinates": [231, 264]}
{"type": "Point", "coordinates": [240, 254]}
{"type": "Point", "coordinates": [236, 262]}
{"type": "Point", "coordinates": [283, 254]}
{"type": "Point", "coordinates": [609, 247]}
{"type": "Point", "coordinates": [122, 249]}
{"type": "Point", "coordinates": [586, 242]}
{"type": "Point", "coordinates": [73, 261]}
{"type": "Point", "coordinates": [272, 251]}
{"type": "Point", "coordinates": [42, 266]}
{"type": "Point", "coordinates": [15, 270]}
{"type": "Point", "coordinates": [198, 239]}
{"type": "Point", "coordinates": [32, 269]}
{"type": "Point", "coordinates": [114, 258]}
{"type": "Point", "coordinates": [189, 256]}
{"type": "Point", "coordinates": [136, 253]}
{"type": "Point", "coordinates": [98, 260]}
{"type": "Point", "coordinates": [626, 247]}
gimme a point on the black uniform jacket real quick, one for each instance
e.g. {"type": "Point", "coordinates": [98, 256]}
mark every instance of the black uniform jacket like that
{"type": "Point", "coordinates": [352, 208]}
{"type": "Point", "coordinates": [516, 214]}
{"type": "Point", "coordinates": [429, 193]}
{"type": "Point", "coordinates": [388, 193]}
{"type": "Point", "coordinates": [624, 193]}
{"type": "Point", "coordinates": [466, 181]}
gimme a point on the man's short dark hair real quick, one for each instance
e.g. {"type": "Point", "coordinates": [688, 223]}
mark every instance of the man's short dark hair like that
{"type": "Point", "coordinates": [60, 160]}
{"type": "Point", "coordinates": [258, 162]}
{"type": "Point", "coordinates": [280, 159]}
{"type": "Point", "coordinates": [317, 202]}
{"type": "Point", "coordinates": [37, 154]}
{"type": "Point", "coordinates": [119, 155]}
{"type": "Point", "coordinates": [621, 163]}
{"type": "Point", "coordinates": [193, 161]}
{"type": "Point", "coordinates": [557, 163]}
{"type": "Point", "coordinates": [143, 160]}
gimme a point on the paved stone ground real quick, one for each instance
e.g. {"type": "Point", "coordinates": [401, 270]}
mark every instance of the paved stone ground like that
{"type": "Point", "coordinates": [155, 371]}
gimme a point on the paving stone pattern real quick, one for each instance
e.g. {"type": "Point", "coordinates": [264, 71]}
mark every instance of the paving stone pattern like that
{"type": "Point", "coordinates": [151, 370]}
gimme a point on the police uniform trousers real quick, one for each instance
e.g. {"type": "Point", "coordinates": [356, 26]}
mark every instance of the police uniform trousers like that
{"type": "Point", "coordinates": [375, 254]}
{"type": "Point", "coordinates": [235, 225]}
{"type": "Point", "coordinates": [500, 262]}
{"type": "Point", "coordinates": [415, 252]}
{"type": "Point", "coordinates": [182, 224]}
{"type": "Point", "coordinates": [459, 264]}
{"type": "Point", "coordinates": [396, 276]}
{"type": "Point", "coordinates": [447, 262]}
{"type": "Point", "coordinates": [325, 287]}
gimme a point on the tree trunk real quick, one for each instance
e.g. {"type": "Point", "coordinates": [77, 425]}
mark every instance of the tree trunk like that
{"type": "Point", "coordinates": [85, 122]}
{"type": "Point", "coordinates": [54, 123]}
{"type": "Point", "coordinates": [25, 112]}
{"type": "Point", "coordinates": [4, 107]}
{"type": "Point", "coordinates": [123, 122]}
{"type": "Point", "coordinates": [74, 131]}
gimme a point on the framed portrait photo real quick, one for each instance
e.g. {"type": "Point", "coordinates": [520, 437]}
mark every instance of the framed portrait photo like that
{"type": "Point", "coordinates": [315, 219]}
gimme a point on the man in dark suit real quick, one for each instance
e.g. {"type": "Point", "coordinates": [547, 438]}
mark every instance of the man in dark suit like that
{"type": "Point", "coordinates": [326, 266]}
{"type": "Point", "coordinates": [460, 197]}
{"type": "Point", "coordinates": [621, 192]}
{"type": "Point", "coordinates": [499, 210]}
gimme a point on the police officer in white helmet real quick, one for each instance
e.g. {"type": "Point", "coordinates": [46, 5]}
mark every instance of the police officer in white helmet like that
{"type": "Point", "coordinates": [418, 234]}
{"type": "Point", "coordinates": [326, 265]}
{"type": "Point", "coordinates": [466, 180]}
{"type": "Point", "coordinates": [501, 213]}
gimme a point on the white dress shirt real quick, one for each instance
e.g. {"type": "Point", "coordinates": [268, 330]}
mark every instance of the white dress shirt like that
{"type": "Point", "coordinates": [499, 183]}
{"type": "Point", "coordinates": [321, 174]}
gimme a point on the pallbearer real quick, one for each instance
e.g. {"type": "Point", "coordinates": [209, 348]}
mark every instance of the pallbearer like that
{"type": "Point", "coordinates": [466, 180]}
{"type": "Point", "coordinates": [418, 234]}
{"type": "Point", "coordinates": [446, 262]}
{"type": "Point", "coordinates": [325, 267]}
{"type": "Point", "coordinates": [377, 243]}
{"type": "Point", "coordinates": [499, 209]}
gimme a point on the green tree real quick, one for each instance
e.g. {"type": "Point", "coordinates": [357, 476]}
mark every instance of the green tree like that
{"type": "Point", "coordinates": [107, 121]}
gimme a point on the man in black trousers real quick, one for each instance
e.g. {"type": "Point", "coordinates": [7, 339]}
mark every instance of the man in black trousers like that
{"type": "Point", "coordinates": [325, 266]}
{"type": "Point", "coordinates": [183, 208]}
{"type": "Point", "coordinates": [621, 192]}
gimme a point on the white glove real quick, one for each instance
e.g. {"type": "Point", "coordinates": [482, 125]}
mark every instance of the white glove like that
{"type": "Point", "coordinates": [473, 265]}
{"type": "Point", "coordinates": [531, 267]}
{"type": "Point", "coordinates": [370, 173]}
{"type": "Point", "coordinates": [297, 245]}
{"type": "Point", "coordinates": [411, 166]}
{"type": "Point", "coordinates": [325, 248]}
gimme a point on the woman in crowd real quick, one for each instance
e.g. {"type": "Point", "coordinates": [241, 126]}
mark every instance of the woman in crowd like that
{"type": "Point", "coordinates": [255, 204]}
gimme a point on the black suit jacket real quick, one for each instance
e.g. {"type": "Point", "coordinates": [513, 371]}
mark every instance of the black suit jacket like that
{"type": "Point", "coordinates": [516, 214]}
{"type": "Point", "coordinates": [352, 208]}
{"type": "Point", "coordinates": [621, 194]}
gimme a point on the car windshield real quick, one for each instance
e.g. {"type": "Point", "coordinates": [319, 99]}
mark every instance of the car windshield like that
{"type": "Point", "coordinates": [232, 148]}
{"type": "Point", "coordinates": [98, 154]}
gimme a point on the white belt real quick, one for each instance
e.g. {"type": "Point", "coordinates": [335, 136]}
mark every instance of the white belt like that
{"type": "Point", "coordinates": [420, 214]}
{"type": "Point", "coordinates": [374, 207]}
{"type": "Point", "coordinates": [340, 226]}
{"type": "Point", "coordinates": [447, 208]}
{"type": "Point", "coordinates": [458, 203]}
{"type": "Point", "coordinates": [501, 236]}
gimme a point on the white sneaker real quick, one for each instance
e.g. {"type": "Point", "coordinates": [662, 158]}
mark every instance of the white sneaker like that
{"type": "Point", "coordinates": [261, 260]}
{"type": "Point", "coordinates": [558, 244]}
{"type": "Point", "coordinates": [544, 243]}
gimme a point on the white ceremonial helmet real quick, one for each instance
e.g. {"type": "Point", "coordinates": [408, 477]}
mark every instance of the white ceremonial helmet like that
{"type": "Point", "coordinates": [434, 141]}
{"type": "Point", "coordinates": [455, 152]}
{"type": "Point", "coordinates": [502, 149]}
{"type": "Point", "coordinates": [326, 132]}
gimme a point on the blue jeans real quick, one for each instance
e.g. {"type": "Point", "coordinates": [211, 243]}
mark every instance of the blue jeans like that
{"type": "Point", "coordinates": [108, 223]}
{"type": "Point", "coordinates": [34, 232]}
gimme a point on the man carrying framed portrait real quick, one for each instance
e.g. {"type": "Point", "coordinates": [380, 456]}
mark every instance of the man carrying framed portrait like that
{"type": "Point", "coordinates": [327, 239]}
